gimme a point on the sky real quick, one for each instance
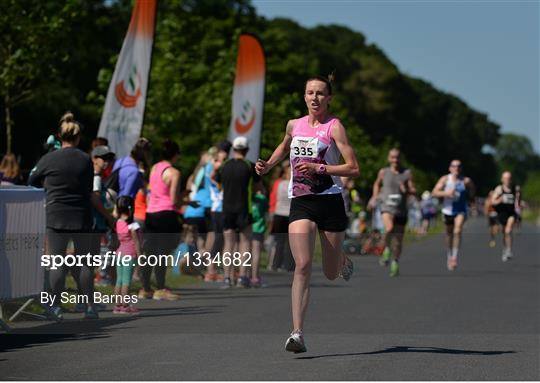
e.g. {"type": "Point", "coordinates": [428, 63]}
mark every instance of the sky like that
{"type": "Point", "coordinates": [485, 52]}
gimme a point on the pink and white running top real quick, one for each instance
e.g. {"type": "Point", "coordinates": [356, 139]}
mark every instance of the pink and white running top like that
{"type": "Point", "coordinates": [314, 145]}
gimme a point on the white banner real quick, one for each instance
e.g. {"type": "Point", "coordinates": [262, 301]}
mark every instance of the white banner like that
{"type": "Point", "coordinates": [22, 241]}
{"type": "Point", "coordinates": [122, 118]}
{"type": "Point", "coordinates": [248, 94]}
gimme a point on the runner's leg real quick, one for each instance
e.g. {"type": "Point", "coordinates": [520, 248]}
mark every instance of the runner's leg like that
{"type": "Point", "coordinates": [388, 222]}
{"type": "Point", "coordinates": [302, 242]}
{"type": "Point", "coordinates": [397, 242]}
{"type": "Point", "coordinates": [458, 228]}
{"type": "Point", "coordinates": [508, 233]}
{"type": "Point", "coordinates": [332, 253]}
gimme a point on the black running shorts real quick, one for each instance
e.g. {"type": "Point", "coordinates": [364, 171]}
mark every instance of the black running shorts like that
{"type": "Point", "coordinates": [236, 221]}
{"type": "Point", "coordinates": [504, 216]}
{"type": "Point", "coordinates": [326, 210]}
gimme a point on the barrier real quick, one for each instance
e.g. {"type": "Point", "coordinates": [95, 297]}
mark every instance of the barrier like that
{"type": "Point", "coordinates": [22, 239]}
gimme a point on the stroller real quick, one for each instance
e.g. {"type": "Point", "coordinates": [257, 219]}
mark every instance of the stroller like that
{"type": "Point", "coordinates": [361, 241]}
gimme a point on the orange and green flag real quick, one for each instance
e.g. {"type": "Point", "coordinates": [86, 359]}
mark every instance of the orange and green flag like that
{"type": "Point", "coordinates": [248, 94]}
{"type": "Point", "coordinates": [122, 118]}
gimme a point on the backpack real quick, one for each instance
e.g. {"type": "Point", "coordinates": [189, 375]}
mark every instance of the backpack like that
{"type": "Point", "coordinates": [112, 184]}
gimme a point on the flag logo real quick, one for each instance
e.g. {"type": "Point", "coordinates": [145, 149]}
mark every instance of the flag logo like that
{"type": "Point", "coordinates": [245, 121]}
{"type": "Point", "coordinates": [128, 98]}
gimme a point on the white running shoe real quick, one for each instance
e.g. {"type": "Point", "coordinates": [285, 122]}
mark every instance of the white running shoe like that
{"type": "Point", "coordinates": [507, 255]}
{"type": "Point", "coordinates": [295, 342]}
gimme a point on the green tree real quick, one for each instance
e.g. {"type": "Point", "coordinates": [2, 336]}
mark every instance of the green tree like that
{"type": "Point", "coordinates": [28, 31]}
{"type": "Point", "coordinates": [515, 153]}
{"type": "Point", "coordinates": [192, 75]}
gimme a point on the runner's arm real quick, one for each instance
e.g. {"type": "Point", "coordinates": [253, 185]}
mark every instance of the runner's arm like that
{"type": "Point", "coordinates": [262, 167]}
{"type": "Point", "coordinates": [411, 187]}
{"type": "Point", "coordinates": [438, 190]}
{"type": "Point", "coordinates": [350, 168]}
{"type": "Point", "coordinates": [517, 203]}
{"type": "Point", "coordinates": [496, 197]}
{"type": "Point", "coordinates": [376, 188]}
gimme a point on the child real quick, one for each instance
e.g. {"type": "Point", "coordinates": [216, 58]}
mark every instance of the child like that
{"type": "Point", "coordinates": [128, 235]}
{"type": "Point", "coordinates": [186, 249]}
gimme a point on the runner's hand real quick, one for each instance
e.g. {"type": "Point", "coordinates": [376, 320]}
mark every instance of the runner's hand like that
{"type": "Point", "coordinates": [371, 204]}
{"type": "Point", "coordinates": [262, 167]}
{"type": "Point", "coordinates": [450, 193]}
{"type": "Point", "coordinates": [307, 168]}
{"type": "Point", "coordinates": [403, 187]}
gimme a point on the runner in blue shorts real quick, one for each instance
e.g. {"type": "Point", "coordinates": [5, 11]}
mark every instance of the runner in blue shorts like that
{"type": "Point", "coordinates": [456, 191]}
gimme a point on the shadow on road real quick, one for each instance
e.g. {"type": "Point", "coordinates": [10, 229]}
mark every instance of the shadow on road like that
{"type": "Point", "coordinates": [430, 350]}
{"type": "Point", "coordinates": [175, 311]}
{"type": "Point", "coordinates": [10, 342]}
{"type": "Point", "coordinates": [80, 329]}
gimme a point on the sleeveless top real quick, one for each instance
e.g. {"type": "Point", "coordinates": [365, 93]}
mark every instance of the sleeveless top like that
{"type": "Point", "coordinates": [391, 197]}
{"type": "Point", "coordinates": [160, 199]}
{"type": "Point", "coordinates": [314, 145]}
{"type": "Point", "coordinates": [457, 204]}
{"type": "Point", "coordinates": [507, 204]}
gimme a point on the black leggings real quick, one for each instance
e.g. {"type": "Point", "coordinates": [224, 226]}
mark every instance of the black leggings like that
{"type": "Point", "coordinates": [84, 242]}
{"type": "Point", "coordinates": [162, 234]}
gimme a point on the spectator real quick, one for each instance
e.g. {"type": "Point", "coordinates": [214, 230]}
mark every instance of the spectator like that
{"type": "Point", "coordinates": [280, 224]}
{"type": "Point", "coordinates": [198, 217]}
{"type": "Point", "coordinates": [67, 174]}
{"type": "Point", "coordinates": [103, 220]}
{"type": "Point", "coordinates": [214, 239]}
{"type": "Point", "coordinates": [130, 179]}
{"type": "Point", "coordinates": [259, 211]}
{"type": "Point", "coordinates": [9, 170]}
{"type": "Point", "coordinates": [188, 264]}
{"type": "Point", "coordinates": [129, 238]}
{"type": "Point", "coordinates": [429, 211]}
{"type": "Point", "coordinates": [161, 224]}
{"type": "Point", "coordinates": [102, 141]}
{"type": "Point", "coordinates": [101, 157]}
{"type": "Point", "coordinates": [236, 176]}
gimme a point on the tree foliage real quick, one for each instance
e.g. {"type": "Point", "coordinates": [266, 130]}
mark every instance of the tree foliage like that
{"type": "Point", "coordinates": [192, 76]}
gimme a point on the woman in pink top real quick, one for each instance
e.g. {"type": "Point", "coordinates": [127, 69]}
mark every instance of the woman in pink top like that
{"type": "Point", "coordinates": [162, 228]}
{"type": "Point", "coordinates": [315, 142]}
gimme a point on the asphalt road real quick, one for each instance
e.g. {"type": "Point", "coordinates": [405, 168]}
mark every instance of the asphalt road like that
{"type": "Point", "coordinates": [479, 322]}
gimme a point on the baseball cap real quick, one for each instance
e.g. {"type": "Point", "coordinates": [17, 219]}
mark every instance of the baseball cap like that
{"type": "Point", "coordinates": [240, 143]}
{"type": "Point", "coordinates": [101, 151]}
